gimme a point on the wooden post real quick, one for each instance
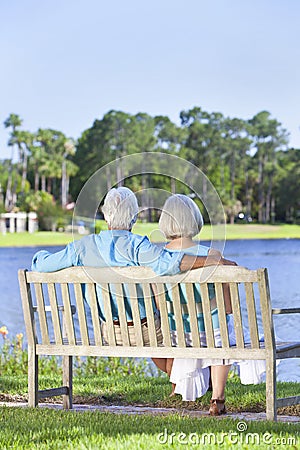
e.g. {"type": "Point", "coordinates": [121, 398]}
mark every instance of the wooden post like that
{"type": "Point", "coordinates": [68, 381]}
{"type": "Point", "coordinates": [271, 399]}
{"type": "Point", "coordinates": [33, 368]}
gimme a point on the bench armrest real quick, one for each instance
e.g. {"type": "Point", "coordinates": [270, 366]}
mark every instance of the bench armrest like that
{"type": "Point", "coordinates": [286, 311]}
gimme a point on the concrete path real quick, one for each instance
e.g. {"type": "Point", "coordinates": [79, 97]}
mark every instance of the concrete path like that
{"type": "Point", "coordinates": [245, 416]}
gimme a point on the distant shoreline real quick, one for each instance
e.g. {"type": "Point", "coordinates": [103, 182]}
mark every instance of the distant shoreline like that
{"type": "Point", "coordinates": [231, 232]}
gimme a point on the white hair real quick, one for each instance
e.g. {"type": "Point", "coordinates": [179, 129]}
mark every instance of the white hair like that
{"type": "Point", "coordinates": [120, 208]}
{"type": "Point", "coordinates": [180, 217]}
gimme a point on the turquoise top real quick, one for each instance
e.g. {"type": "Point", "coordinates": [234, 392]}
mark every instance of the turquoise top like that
{"type": "Point", "coordinates": [197, 250]}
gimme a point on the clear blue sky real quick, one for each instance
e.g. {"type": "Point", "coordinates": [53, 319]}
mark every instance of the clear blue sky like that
{"type": "Point", "coordinates": [65, 63]}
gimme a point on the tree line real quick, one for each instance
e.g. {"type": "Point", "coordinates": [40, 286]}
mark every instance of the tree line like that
{"type": "Point", "coordinates": [249, 162]}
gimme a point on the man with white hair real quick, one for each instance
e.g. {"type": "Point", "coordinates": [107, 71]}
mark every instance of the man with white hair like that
{"type": "Point", "coordinates": [118, 246]}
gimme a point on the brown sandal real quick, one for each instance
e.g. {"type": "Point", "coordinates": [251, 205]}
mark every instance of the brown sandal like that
{"type": "Point", "coordinates": [214, 407]}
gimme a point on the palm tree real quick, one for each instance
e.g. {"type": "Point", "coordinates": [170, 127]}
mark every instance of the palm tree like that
{"type": "Point", "coordinates": [13, 121]}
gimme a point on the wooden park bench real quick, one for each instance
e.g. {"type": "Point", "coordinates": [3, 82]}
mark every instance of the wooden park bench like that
{"type": "Point", "coordinates": [53, 303]}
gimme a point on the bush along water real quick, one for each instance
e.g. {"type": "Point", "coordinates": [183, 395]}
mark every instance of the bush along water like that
{"type": "Point", "coordinates": [14, 361]}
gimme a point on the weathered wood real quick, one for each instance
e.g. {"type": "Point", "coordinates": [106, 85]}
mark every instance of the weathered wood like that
{"type": "Point", "coordinates": [67, 314]}
{"type": "Point", "coordinates": [54, 312]}
{"type": "Point", "coordinates": [136, 314]}
{"type": "Point", "coordinates": [123, 280]}
{"type": "Point", "coordinates": [41, 312]}
{"type": "Point", "coordinates": [95, 313]}
{"type": "Point", "coordinates": [108, 314]}
{"type": "Point", "coordinates": [222, 315]}
{"type": "Point", "coordinates": [148, 299]}
{"type": "Point", "coordinates": [252, 317]}
{"type": "Point", "coordinates": [237, 317]}
{"type": "Point", "coordinates": [209, 332]}
{"type": "Point", "coordinates": [178, 315]}
{"type": "Point", "coordinates": [122, 314]}
{"type": "Point", "coordinates": [28, 310]}
{"type": "Point", "coordinates": [81, 314]}
{"type": "Point", "coordinates": [148, 352]}
{"type": "Point", "coordinates": [220, 274]}
{"type": "Point", "coordinates": [68, 381]}
{"type": "Point", "coordinates": [162, 304]}
{"type": "Point", "coordinates": [192, 314]}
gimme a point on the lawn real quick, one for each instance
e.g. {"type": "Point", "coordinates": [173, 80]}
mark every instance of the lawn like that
{"type": "Point", "coordinates": [52, 429]}
{"type": "Point", "coordinates": [44, 428]}
{"type": "Point", "coordinates": [237, 231]}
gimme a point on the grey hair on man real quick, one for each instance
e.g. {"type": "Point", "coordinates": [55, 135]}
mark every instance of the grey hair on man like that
{"type": "Point", "coordinates": [120, 208]}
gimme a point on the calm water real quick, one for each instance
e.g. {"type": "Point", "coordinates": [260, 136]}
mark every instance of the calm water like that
{"type": "Point", "coordinates": [281, 257]}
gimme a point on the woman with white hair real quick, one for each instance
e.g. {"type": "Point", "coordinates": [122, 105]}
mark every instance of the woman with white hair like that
{"type": "Point", "coordinates": [181, 221]}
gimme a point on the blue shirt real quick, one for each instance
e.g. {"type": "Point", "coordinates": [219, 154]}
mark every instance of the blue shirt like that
{"type": "Point", "coordinates": [197, 250]}
{"type": "Point", "coordinates": [111, 248]}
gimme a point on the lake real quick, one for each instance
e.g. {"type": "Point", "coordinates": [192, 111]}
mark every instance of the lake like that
{"type": "Point", "coordinates": [280, 256]}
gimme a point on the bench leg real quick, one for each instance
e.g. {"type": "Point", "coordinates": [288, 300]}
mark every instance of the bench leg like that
{"type": "Point", "coordinates": [68, 381]}
{"type": "Point", "coordinates": [33, 367]}
{"type": "Point", "coordinates": [271, 402]}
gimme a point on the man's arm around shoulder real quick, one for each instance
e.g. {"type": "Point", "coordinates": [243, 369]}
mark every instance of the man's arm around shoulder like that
{"type": "Point", "coordinates": [214, 258]}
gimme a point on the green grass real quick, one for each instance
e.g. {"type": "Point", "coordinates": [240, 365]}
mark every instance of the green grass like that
{"type": "Point", "coordinates": [49, 429]}
{"type": "Point", "coordinates": [125, 389]}
{"type": "Point", "coordinates": [237, 231]}
{"type": "Point", "coordinates": [44, 428]}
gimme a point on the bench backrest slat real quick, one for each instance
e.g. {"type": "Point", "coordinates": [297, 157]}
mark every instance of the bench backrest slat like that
{"type": "Point", "coordinates": [81, 314]}
{"type": "Point", "coordinates": [252, 317]}
{"type": "Point", "coordinates": [222, 315]}
{"type": "Point", "coordinates": [162, 305]}
{"type": "Point", "coordinates": [42, 313]}
{"type": "Point", "coordinates": [135, 314]}
{"type": "Point", "coordinates": [210, 339]}
{"type": "Point", "coordinates": [192, 314]}
{"type": "Point", "coordinates": [122, 313]}
{"type": "Point", "coordinates": [67, 315]}
{"type": "Point", "coordinates": [55, 313]}
{"type": "Point", "coordinates": [178, 314]}
{"type": "Point", "coordinates": [108, 314]}
{"type": "Point", "coordinates": [148, 299]}
{"type": "Point", "coordinates": [94, 313]}
{"type": "Point", "coordinates": [237, 317]}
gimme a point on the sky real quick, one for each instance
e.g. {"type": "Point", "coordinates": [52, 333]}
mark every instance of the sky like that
{"type": "Point", "coordinates": [65, 63]}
